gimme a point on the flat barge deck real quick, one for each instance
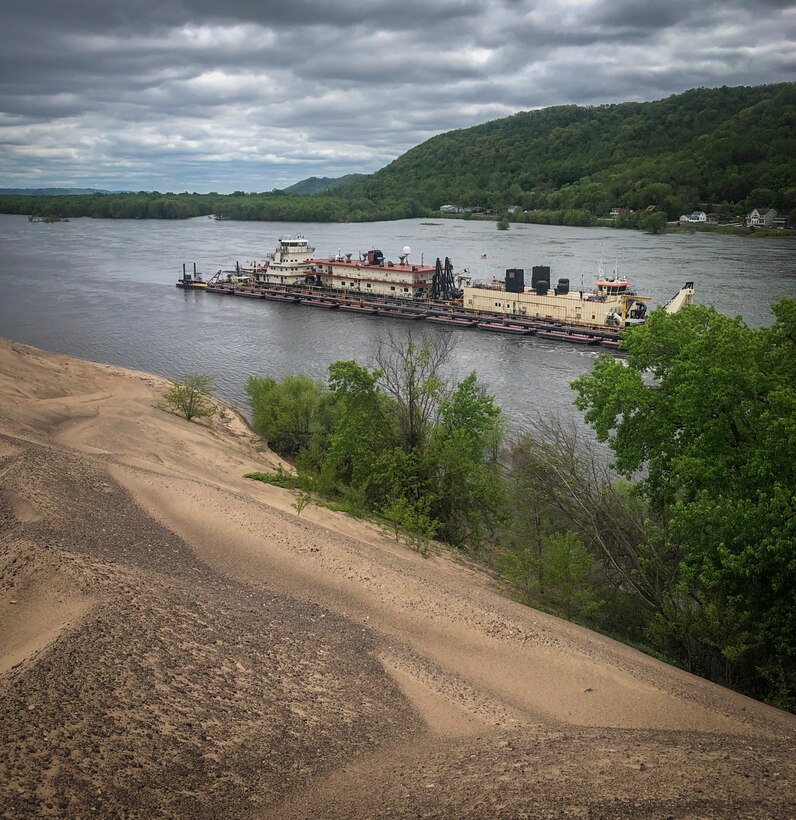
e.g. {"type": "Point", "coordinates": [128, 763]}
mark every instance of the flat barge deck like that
{"type": "Point", "coordinates": [446, 314]}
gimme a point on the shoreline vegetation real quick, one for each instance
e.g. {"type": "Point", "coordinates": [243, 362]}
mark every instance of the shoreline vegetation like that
{"type": "Point", "coordinates": [176, 638]}
{"type": "Point", "coordinates": [626, 555]}
{"type": "Point", "coordinates": [274, 208]}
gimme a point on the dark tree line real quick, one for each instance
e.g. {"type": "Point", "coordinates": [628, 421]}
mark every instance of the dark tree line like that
{"type": "Point", "coordinates": [270, 207]}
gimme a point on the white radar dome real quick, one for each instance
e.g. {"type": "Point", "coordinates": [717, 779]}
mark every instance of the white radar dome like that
{"type": "Point", "coordinates": [407, 249]}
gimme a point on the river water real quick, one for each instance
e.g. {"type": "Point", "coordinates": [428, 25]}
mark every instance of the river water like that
{"type": "Point", "coordinates": [104, 290]}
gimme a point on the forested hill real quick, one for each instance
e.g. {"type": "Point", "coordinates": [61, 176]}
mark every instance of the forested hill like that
{"type": "Point", "coordinates": [314, 185]}
{"type": "Point", "coordinates": [734, 145]}
{"type": "Point", "coordinates": [722, 149]}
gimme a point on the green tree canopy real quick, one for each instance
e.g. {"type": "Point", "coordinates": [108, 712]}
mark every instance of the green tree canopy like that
{"type": "Point", "coordinates": [191, 396]}
{"type": "Point", "coordinates": [704, 409]}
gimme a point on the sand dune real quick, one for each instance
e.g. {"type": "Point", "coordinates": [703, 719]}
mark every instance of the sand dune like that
{"type": "Point", "coordinates": [174, 640]}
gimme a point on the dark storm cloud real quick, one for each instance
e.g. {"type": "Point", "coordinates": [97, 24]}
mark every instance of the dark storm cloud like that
{"type": "Point", "coordinates": [193, 94]}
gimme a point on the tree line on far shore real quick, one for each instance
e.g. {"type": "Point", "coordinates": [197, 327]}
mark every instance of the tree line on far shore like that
{"type": "Point", "coordinates": [274, 206]}
{"type": "Point", "coordinates": [685, 547]}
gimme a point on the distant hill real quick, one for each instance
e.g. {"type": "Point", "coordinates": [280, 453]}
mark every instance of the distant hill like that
{"type": "Point", "coordinates": [52, 191]}
{"type": "Point", "coordinates": [315, 185]}
{"type": "Point", "coordinates": [734, 145]}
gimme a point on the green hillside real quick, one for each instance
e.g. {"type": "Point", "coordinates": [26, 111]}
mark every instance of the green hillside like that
{"type": "Point", "coordinates": [315, 185]}
{"type": "Point", "coordinates": [734, 145]}
{"type": "Point", "coordinates": [724, 149]}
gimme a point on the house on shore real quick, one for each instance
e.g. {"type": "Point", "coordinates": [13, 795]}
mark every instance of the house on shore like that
{"type": "Point", "coordinates": [697, 217]}
{"type": "Point", "coordinates": [761, 218]}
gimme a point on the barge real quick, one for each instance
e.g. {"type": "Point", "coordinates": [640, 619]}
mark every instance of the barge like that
{"type": "Point", "coordinates": [374, 286]}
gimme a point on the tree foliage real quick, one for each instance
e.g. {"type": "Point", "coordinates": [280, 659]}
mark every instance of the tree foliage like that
{"type": "Point", "coordinates": [569, 568]}
{"type": "Point", "coordinates": [398, 441]}
{"type": "Point", "coordinates": [560, 488]}
{"type": "Point", "coordinates": [687, 543]}
{"type": "Point", "coordinates": [705, 412]}
{"type": "Point", "coordinates": [286, 413]}
{"type": "Point", "coordinates": [191, 397]}
{"type": "Point", "coordinates": [731, 145]}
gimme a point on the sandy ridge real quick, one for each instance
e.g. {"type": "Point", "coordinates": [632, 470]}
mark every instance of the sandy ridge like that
{"type": "Point", "coordinates": [189, 646]}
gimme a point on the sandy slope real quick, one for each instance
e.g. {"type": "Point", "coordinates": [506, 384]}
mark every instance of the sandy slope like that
{"type": "Point", "coordinates": [174, 640]}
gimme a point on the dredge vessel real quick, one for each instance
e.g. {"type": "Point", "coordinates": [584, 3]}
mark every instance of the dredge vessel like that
{"type": "Point", "coordinates": [373, 285]}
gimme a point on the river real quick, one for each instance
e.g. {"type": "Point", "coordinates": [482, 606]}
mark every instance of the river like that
{"type": "Point", "coordinates": [104, 290]}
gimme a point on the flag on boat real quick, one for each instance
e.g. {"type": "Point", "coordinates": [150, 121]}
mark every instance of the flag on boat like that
{"type": "Point", "coordinates": [483, 256]}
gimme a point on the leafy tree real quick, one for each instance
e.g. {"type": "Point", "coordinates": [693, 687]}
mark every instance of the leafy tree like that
{"type": "Point", "coordinates": [521, 566]}
{"type": "Point", "coordinates": [705, 408]}
{"type": "Point", "coordinates": [191, 397]}
{"type": "Point", "coordinates": [569, 570]}
{"type": "Point", "coordinates": [464, 462]}
{"type": "Point", "coordinates": [654, 223]}
{"type": "Point", "coordinates": [397, 440]}
{"type": "Point", "coordinates": [411, 376]}
{"type": "Point", "coordinates": [413, 521]}
{"type": "Point", "coordinates": [562, 483]}
{"type": "Point", "coordinates": [287, 413]}
{"type": "Point", "coordinates": [363, 421]}
{"type": "Point", "coordinates": [760, 198]}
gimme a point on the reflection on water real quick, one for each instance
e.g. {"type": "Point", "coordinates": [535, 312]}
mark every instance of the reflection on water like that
{"type": "Point", "coordinates": [104, 290]}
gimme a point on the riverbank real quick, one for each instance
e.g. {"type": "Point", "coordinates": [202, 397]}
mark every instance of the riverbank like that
{"type": "Point", "coordinates": [175, 639]}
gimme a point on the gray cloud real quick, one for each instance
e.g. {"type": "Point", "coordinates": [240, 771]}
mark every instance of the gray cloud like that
{"type": "Point", "coordinates": [201, 95]}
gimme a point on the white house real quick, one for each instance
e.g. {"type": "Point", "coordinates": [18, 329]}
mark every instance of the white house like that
{"type": "Point", "coordinates": [761, 218]}
{"type": "Point", "coordinates": [696, 216]}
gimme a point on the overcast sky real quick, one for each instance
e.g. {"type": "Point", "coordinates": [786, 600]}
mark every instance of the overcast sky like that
{"type": "Point", "coordinates": [220, 95]}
